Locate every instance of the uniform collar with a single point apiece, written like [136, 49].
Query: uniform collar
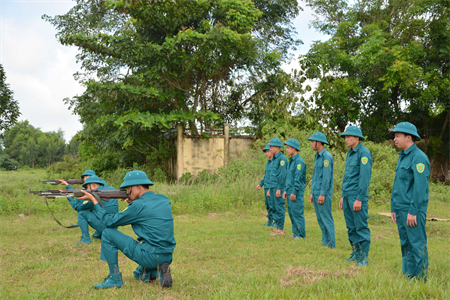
[409, 150]
[322, 152]
[356, 148]
[278, 155]
[295, 156]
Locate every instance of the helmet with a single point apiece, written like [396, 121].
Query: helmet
[276, 143]
[88, 173]
[93, 179]
[266, 148]
[135, 177]
[293, 143]
[319, 137]
[354, 131]
[406, 127]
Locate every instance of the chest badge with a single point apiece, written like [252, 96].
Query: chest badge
[299, 167]
[364, 160]
[282, 163]
[326, 163]
[86, 201]
[420, 168]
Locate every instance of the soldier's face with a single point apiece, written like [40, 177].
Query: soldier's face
[351, 140]
[289, 150]
[269, 154]
[85, 177]
[274, 150]
[401, 140]
[313, 145]
[93, 186]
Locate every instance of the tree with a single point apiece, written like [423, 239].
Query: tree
[9, 108]
[151, 64]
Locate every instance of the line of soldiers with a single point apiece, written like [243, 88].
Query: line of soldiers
[149, 215]
[286, 180]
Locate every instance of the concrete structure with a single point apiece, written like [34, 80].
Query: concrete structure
[195, 154]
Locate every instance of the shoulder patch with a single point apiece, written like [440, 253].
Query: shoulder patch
[282, 162]
[326, 163]
[299, 167]
[85, 201]
[364, 160]
[420, 168]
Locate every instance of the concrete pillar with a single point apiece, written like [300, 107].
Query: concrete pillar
[180, 160]
[226, 143]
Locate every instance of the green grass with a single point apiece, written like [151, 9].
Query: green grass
[223, 251]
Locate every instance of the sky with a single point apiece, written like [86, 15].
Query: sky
[40, 70]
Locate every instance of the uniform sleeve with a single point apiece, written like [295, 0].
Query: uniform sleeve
[393, 188]
[299, 178]
[365, 173]
[80, 205]
[129, 215]
[421, 173]
[262, 181]
[69, 187]
[327, 177]
[281, 175]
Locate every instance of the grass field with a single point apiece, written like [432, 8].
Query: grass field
[219, 255]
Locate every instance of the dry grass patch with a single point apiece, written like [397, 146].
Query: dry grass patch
[304, 277]
[378, 237]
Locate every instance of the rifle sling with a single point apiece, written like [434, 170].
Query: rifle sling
[99, 200]
[71, 226]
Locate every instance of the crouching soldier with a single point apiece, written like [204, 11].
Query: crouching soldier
[295, 188]
[86, 216]
[265, 183]
[150, 216]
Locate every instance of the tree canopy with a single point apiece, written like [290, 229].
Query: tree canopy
[9, 108]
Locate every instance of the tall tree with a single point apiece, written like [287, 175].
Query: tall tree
[150, 64]
[9, 108]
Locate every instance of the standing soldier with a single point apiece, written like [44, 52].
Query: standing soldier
[295, 188]
[265, 183]
[409, 201]
[322, 188]
[277, 182]
[355, 195]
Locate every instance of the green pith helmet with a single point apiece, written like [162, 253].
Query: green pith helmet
[353, 130]
[266, 148]
[276, 143]
[406, 127]
[135, 177]
[88, 173]
[93, 179]
[320, 137]
[293, 143]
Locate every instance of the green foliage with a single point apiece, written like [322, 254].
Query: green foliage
[7, 163]
[149, 65]
[32, 147]
[385, 62]
[9, 108]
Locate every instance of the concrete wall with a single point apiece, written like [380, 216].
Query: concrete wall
[195, 154]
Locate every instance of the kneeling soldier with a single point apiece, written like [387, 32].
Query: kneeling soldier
[150, 216]
[86, 216]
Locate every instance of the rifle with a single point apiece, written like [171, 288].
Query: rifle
[58, 181]
[104, 195]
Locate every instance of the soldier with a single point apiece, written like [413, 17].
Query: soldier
[322, 188]
[295, 188]
[85, 215]
[150, 216]
[355, 195]
[277, 182]
[409, 200]
[265, 183]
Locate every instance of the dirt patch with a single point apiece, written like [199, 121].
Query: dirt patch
[303, 276]
[214, 215]
[377, 237]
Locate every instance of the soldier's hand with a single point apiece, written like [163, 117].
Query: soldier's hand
[278, 194]
[258, 187]
[268, 193]
[126, 199]
[88, 196]
[357, 205]
[341, 202]
[293, 197]
[321, 199]
[63, 182]
[411, 220]
[284, 195]
[393, 218]
[310, 199]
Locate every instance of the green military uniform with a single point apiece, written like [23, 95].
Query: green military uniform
[150, 216]
[86, 216]
[322, 184]
[268, 200]
[295, 184]
[410, 196]
[277, 182]
[355, 186]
